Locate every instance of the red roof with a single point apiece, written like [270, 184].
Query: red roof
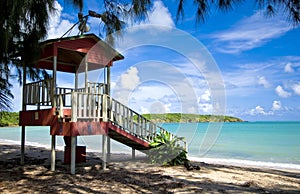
[71, 51]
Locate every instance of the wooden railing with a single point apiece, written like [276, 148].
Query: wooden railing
[84, 106]
[96, 88]
[93, 88]
[134, 123]
[85, 103]
[38, 93]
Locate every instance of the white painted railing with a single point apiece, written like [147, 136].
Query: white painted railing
[134, 123]
[96, 88]
[93, 88]
[84, 106]
[38, 93]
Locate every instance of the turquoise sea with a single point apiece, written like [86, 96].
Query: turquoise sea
[269, 144]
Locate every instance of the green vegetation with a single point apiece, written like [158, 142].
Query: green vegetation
[166, 150]
[189, 118]
[9, 119]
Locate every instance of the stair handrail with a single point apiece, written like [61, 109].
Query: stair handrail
[149, 137]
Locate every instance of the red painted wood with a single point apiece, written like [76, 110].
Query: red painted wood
[44, 117]
[78, 128]
[71, 51]
[127, 135]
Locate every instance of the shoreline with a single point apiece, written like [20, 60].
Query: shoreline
[249, 163]
[126, 176]
[218, 161]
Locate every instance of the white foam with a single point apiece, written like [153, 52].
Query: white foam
[248, 163]
[28, 143]
[10, 142]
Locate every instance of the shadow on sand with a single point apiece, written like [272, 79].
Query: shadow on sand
[122, 176]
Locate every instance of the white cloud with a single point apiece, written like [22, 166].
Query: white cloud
[288, 68]
[276, 105]
[168, 107]
[250, 33]
[58, 26]
[258, 110]
[130, 79]
[296, 88]
[158, 19]
[126, 85]
[205, 97]
[205, 105]
[281, 92]
[263, 81]
[160, 15]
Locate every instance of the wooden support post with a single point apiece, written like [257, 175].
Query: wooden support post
[108, 149]
[54, 80]
[133, 153]
[53, 154]
[73, 154]
[75, 99]
[22, 162]
[104, 149]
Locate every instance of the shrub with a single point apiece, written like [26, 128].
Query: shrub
[166, 150]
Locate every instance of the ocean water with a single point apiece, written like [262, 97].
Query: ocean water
[269, 144]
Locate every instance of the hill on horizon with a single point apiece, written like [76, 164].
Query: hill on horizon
[189, 118]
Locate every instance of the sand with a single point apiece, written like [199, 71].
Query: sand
[126, 176]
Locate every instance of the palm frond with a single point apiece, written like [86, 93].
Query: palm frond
[202, 9]
[180, 10]
[139, 8]
[5, 95]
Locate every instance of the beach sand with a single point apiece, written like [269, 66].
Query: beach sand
[126, 176]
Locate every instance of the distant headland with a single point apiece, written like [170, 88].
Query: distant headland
[189, 118]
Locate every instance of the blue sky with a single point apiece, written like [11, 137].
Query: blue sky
[257, 58]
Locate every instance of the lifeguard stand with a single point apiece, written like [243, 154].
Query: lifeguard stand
[89, 110]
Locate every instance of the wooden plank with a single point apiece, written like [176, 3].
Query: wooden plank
[43, 93]
[84, 105]
[74, 107]
[104, 107]
[99, 107]
[89, 105]
[79, 113]
[61, 106]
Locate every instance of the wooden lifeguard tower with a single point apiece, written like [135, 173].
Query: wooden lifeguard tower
[88, 110]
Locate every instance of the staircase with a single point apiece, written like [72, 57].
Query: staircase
[131, 128]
